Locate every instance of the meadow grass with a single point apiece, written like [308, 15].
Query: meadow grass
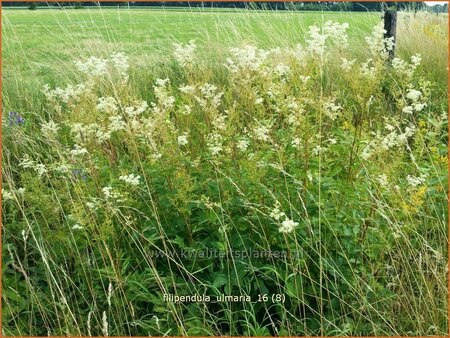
[242, 141]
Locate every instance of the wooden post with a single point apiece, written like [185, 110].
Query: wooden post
[390, 26]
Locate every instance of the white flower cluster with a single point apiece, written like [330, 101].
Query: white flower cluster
[379, 46]
[28, 163]
[107, 105]
[337, 32]
[296, 142]
[276, 213]
[318, 36]
[183, 139]
[242, 145]
[165, 100]
[84, 133]
[184, 53]
[207, 96]
[49, 129]
[405, 68]
[288, 225]
[66, 95]
[383, 180]
[247, 59]
[112, 195]
[95, 67]
[332, 110]
[215, 143]
[77, 151]
[211, 97]
[133, 111]
[369, 69]
[347, 65]
[6, 195]
[120, 62]
[261, 133]
[131, 179]
[414, 104]
[415, 181]
[116, 123]
[282, 70]
[393, 139]
[296, 112]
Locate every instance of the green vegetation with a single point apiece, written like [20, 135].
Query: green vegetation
[150, 152]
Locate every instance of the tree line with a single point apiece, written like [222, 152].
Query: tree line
[304, 6]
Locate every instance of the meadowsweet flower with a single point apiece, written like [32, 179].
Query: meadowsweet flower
[368, 69]
[165, 100]
[77, 151]
[40, 169]
[276, 213]
[413, 95]
[259, 100]
[107, 105]
[130, 179]
[296, 142]
[183, 139]
[419, 106]
[184, 54]
[316, 42]
[287, 226]
[242, 145]
[49, 129]
[332, 110]
[120, 62]
[282, 70]
[62, 168]
[21, 191]
[415, 181]
[247, 62]
[116, 123]
[77, 227]
[214, 143]
[26, 162]
[92, 66]
[416, 60]
[408, 110]
[220, 122]
[209, 96]
[94, 205]
[317, 150]
[111, 194]
[186, 110]
[337, 33]
[304, 79]
[378, 45]
[332, 140]
[6, 195]
[70, 93]
[262, 133]
[135, 111]
[383, 180]
[187, 89]
[347, 65]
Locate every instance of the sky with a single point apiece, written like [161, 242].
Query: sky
[431, 3]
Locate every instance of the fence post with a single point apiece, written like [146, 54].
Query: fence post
[390, 26]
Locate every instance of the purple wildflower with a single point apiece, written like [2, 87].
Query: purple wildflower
[16, 118]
